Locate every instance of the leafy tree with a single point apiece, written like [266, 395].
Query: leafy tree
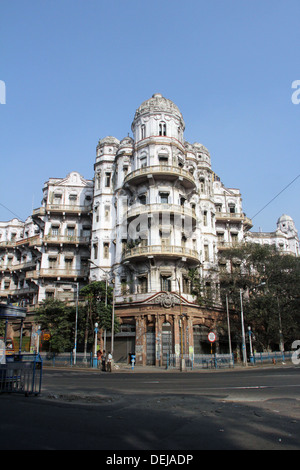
[203, 288]
[270, 285]
[57, 319]
[99, 307]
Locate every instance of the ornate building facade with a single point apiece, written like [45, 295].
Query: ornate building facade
[154, 213]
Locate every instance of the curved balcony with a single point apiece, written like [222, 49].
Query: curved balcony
[170, 173]
[234, 217]
[67, 240]
[160, 208]
[58, 273]
[63, 209]
[139, 252]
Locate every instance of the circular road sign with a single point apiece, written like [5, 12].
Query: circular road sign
[212, 337]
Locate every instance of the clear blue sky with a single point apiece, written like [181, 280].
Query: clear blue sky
[76, 70]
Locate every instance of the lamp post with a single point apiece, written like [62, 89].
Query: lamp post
[182, 360]
[250, 342]
[243, 330]
[228, 325]
[95, 361]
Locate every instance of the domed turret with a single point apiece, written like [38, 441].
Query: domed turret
[286, 224]
[158, 116]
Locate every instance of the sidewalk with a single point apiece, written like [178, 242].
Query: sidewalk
[127, 368]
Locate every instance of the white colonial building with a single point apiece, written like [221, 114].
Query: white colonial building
[154, 213]
[285, 238]
[47, 256]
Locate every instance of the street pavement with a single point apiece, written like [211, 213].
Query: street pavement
[157, 410]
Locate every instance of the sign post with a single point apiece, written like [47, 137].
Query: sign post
[211, 338]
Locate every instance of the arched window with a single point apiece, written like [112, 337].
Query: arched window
[143, 131]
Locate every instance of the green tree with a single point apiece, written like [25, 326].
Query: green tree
[57, 319]
[99, 297]
[270, 283]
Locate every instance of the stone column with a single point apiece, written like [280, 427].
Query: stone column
[140, 340]
[158, 340]
[177, 339]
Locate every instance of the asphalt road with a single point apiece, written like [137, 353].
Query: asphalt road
[253, 409]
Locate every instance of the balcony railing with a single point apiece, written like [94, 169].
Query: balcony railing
[161, 170]
[53, 272]
[154, 250]
[234, 217]
[72, 208]
[21, 266]
[68, 239]
[160, 207]
[31, 241]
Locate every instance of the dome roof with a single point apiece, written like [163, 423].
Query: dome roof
[109, 140]
[284, 218]
[157, 103]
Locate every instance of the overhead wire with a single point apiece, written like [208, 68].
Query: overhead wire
[20, 218]
[275, 196]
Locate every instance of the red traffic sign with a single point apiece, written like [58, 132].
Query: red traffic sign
[212, 337]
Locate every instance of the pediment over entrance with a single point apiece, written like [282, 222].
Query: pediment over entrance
[166, 299]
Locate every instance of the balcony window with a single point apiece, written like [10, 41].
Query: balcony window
[206, 253]
[52, 262]
[95, 250]
[143, 199]
[186, 285]
[106, 250]
[70, 231]
[57, 199]
[163, 160]
[73, 199]
[143, 285]
[232, 208]
[162, 129]
[68, 263]
[107, 180]
[165, 283]
[164, 198]
[107, 213]
[143, 162]
[55, 230]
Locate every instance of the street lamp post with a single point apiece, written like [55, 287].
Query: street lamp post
[95, 361]
[250, 342]
[228, 325]
[181, 326]
[243, 330]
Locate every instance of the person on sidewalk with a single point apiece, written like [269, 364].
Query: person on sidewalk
[99, 358]
[103, 360]
[109, 361]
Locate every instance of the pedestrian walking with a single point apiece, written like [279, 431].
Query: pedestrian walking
[109, 361]
[99, 358]
[103, 360]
